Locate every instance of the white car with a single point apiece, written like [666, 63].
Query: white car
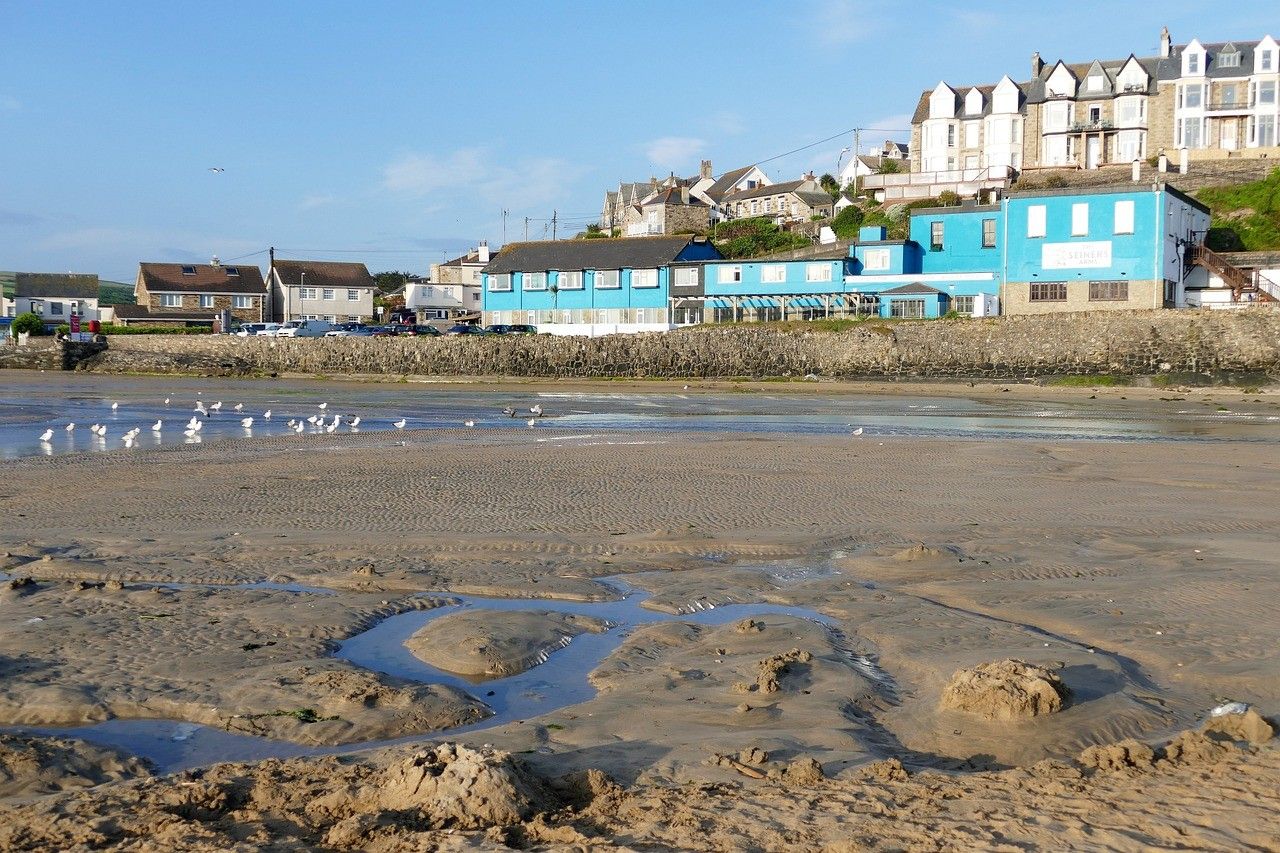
[249, 330]
[303, 329]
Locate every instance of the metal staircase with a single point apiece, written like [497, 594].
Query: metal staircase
[1245, 287]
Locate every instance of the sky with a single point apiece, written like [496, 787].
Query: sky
[396, 133]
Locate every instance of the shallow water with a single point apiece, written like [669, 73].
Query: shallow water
[31, 403]
[558, 682]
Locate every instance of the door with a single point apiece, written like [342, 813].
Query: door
[1229, 130]
[1093, 152]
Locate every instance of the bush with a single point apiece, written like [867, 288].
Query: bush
[847, 222]
[29, 323]
[109, 329]
[947, 198]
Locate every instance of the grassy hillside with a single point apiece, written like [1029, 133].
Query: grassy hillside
[114, 293]
[1246, 217]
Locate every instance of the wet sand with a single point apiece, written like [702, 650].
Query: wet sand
[1140, 572]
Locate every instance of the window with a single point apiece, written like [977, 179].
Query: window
[535, 281]
[1124, 217]
[1264, 132]
[773, 273]
[1189, 132]
[607, 280]
[1080, 220]
[1057, 115]
[37, 306]
[171, 300]
[988, 233]
[1192, 96]
[1265, 61]
[971, 134]
[910, 309]
[877, 259]
[55, 308]
[498, 283]
[1267, 92]
[768, 206]
[644, 278]
[328, 294]
[755, 208]
[235, 271]
[206, 301]
[1049, 291]
[76, 309]
[331, 318]
[1193, 63]
[951, 136]
[188, 270]
[1229, 60]
[1095, 115]
[962, 305]
[686, 277]
[353, 318]
[729, 274]
[817, 272]
[1094, 83]
[307, 293]
[1130, 111]
[1036, 220]
[353, 296]
[936, 229]
[1108, 291]
[242, 302]
[1130, 145]
[571, 280]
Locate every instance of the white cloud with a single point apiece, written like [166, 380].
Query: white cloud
[537, 180]
[673, 152]
[8, 103]
[837, 23]
[315, 200]
[888, 127]
[726, 123]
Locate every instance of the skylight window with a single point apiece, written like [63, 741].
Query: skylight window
[188, 270]
[233, 271]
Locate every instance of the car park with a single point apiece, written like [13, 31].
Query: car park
[522, 329]
[249, 330]
[465, 329]
[349, 330]
[498, 329]
[303, 329]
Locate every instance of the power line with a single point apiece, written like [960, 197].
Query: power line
[829, 139]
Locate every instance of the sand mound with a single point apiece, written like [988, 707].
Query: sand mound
[1127, 754]
[493, 643]
[771, 670]
[38, 765]
[918, 552]
[1250, 726]
[1005, 690]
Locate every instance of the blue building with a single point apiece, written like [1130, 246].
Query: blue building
[596, 287]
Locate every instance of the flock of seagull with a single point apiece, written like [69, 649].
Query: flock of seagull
[192, 428]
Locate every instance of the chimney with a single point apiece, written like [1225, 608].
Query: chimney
[216, 262]
[684, 195]
[1037, 64]
[1166, 44]
[482, 253]
[705, 171]
[653, 182]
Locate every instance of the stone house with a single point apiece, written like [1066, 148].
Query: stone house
[195, 294]
[790, 201]
[453, 291]
[336, 291]
[674, 211]
[625, 210]
[55, 297]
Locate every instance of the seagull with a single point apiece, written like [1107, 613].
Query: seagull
[246, 422]
[355, 422]
[128, 441]
[93, 429]
[312, 419]
[509, 411]
[536, 410]
[266, 416]
[46, 435]
[71, 426]
[201, 409]
[239, 407]
[215, 406]
[217, 170]
[166, 401]
[189, 432]
[298, 427]
[533, 421]
[199, 425]
[323, 406]
[400, 423]
[331, 427]
[858, 431]
[115, 406]
[156, 427]
[102, 432]
[337, 419]
[468, 424]
[290, 423]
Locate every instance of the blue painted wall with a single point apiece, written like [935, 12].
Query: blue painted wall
[962, 249]
[794, 282]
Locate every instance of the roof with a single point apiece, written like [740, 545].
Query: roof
[1108, 190]
[779, 189]
[141, 312]
[914, 288]
[675, 195]
[606, 253]
[323, 274]
[725, 182]
[472, 257]
[203, 278]
[47, 284]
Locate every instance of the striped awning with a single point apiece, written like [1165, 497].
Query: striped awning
[722, 304]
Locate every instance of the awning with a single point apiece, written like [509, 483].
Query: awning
[722, 304]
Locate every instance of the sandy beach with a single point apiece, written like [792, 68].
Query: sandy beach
[1139, 576]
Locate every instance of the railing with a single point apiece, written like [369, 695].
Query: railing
[992, 174]
[1084, 126]
[1227, 106]
[1232, 276]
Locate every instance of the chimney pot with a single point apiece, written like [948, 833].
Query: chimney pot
[1166, 42]
[1037, 64]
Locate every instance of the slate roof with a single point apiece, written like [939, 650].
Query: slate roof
[607, 254]
[785, 188]
[142, 312]
[323, 274]
[472, 257]
[55, 284]
[724, 184]
[168, 278]
[674, 195]
[914, 287]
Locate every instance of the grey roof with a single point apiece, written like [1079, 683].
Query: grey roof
[142, 312]
[723, 184]
[675, 195]
[606, 253]
[55, 284]
[323, 274]
[771, 189]
[914, 288]
[1212, 69]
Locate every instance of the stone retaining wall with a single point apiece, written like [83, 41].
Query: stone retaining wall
[1144, 342]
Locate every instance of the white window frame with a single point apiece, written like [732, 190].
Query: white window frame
[171, 300]
[875, 260]
[206, 301]
[773, 273]
[328, 294]
[500, 282]
[1037, 220]
[684, 277]
[817, 272]
[608, 279]
[569, 280]
[1124, 217]
[1266, 60]
[1269, 87]
[729, 274]
[533, 281]
[242, 302]
[1080, 219]
[306, 293]
[353, 296]
[644, 278]
[55, 308]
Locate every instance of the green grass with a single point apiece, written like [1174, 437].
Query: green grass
[1088, 381]
[1246, 217]
[114, 293]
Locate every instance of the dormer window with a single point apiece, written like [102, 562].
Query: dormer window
[1193, 63]
[1229, 60]
[188, 270]
[233, 271]
[1266, 61]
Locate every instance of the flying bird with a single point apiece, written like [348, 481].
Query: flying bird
[46, 435]
[400, 423]
[201, 409]
[217, 170]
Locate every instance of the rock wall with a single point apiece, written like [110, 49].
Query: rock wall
[1145, 342]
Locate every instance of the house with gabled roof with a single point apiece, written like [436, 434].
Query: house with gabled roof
[335, 291]
[194, 294]
[629, 211]
[55, 297]
[789, 201]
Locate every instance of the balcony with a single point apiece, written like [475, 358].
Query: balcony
[1235, 106]
[1087, 126]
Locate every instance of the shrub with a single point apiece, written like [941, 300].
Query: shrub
[947, 198]
[109, 329]
[1054, 182]
[888, 167]
[847, 222]
[29, 323]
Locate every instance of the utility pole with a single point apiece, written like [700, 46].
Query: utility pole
[271, 288]
[857, 150]
[526, 229]
[553, 225]
[504, 226]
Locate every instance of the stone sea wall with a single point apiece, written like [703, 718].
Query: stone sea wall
[1148, 342]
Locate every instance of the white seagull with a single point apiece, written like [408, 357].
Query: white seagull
[166, 401]
[115, 406]
[533, 421]
[298, 427]
[201, 409]
[266, 416]
[858, 431]
[157, 426]
[468, 424]
[355, 422]
[46, 435]
[400, 423]
[331, 427]
[246, 422]
[215, 406]
[71, 426]
[239, 407]
[189, 432]
[312, 419]
[199, 425]
[322, 406]
[536, 410]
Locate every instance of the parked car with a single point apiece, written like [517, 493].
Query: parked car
[465, 329]
[383, 331]
[303, 329]
[349, 330]
[421, 331]
[249, 330]
[522, 329]
[498, 329]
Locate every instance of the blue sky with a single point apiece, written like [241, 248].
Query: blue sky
[396, 133]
